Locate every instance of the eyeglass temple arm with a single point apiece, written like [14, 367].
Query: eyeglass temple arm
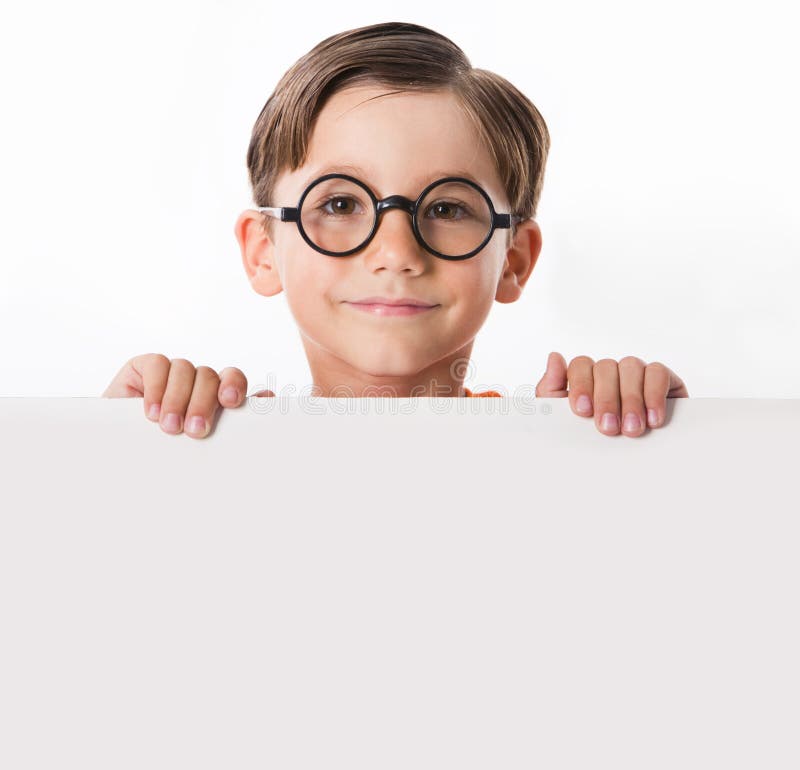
[284, 213]
[506, 220]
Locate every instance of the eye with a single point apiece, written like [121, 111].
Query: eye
[342, 205]
[447, 210]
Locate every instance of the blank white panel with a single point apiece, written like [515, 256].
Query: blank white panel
[398, 583]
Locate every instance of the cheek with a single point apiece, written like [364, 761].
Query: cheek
[476, 282]
[473, 291]
[311, 282]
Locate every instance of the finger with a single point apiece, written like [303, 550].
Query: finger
[581, 385]
[631, 391]
[203, 404]
[554, 380]
[180, 383]
[677, 388]
[606, 396]
[232, 386]
[153, 370]
[127, 382]
[660, 383]
[263, 393]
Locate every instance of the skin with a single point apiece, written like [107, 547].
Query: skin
[401, 142]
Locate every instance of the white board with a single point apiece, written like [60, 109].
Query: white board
[395, 583]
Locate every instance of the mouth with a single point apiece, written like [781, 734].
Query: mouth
[380, 309]
[388, 306]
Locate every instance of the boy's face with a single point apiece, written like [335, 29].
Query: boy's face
[400, 143]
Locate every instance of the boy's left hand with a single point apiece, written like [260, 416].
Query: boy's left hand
[600, 387]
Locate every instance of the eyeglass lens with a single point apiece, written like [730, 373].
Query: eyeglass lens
[453, 218]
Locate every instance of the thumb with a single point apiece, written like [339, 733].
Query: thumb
[554, 380]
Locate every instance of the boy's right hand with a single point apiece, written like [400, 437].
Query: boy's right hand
[175, 392]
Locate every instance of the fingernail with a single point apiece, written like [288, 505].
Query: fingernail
[584, 404]
[632, 423]
[230, 394]
[652, 417]
[172, 423]
[197, 425]
[155, 409]
[610, 422]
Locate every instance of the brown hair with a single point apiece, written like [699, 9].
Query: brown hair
[405, 57]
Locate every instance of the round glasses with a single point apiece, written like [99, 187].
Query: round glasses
[453, 218]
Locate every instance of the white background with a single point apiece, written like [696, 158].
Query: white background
[669, 211]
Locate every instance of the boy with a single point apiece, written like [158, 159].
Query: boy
[396, 188]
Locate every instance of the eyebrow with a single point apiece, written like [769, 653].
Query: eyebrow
[362, 174]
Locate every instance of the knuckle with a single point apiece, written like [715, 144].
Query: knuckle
[632, 401]
[605, 363]
[580, 386]
[180, 379]
[203, 401]
[579, 373]
[155, 360]
[631, 361]
[606, 381]
[207, 372]
[172, 406]
[606, 375]
[604, 405]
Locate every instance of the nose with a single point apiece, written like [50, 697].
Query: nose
[394, 246]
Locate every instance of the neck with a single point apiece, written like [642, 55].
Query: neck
[336, 378]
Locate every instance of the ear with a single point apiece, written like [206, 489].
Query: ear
[520, 259]
[258, 253]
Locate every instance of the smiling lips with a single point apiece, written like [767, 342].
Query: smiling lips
[383, 306]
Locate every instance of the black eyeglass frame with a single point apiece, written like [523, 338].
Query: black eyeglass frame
[292, 214]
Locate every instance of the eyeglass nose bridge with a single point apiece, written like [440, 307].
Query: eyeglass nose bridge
[395, 202]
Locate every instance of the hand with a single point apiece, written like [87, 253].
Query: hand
[173, 389]
[601, 385]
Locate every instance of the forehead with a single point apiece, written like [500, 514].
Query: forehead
[395, 142]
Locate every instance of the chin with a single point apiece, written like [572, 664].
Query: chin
[391, 363]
